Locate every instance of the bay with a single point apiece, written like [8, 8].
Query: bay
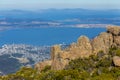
[46, 36]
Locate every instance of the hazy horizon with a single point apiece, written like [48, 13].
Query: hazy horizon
[48, 4]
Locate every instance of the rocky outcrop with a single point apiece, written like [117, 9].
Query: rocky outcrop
[102, 42]
[55, 50]
[117, 40]
[114, 30]
[84, 48]
[57, 62]
[116, 61]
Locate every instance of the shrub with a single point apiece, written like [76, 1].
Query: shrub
[47, 68]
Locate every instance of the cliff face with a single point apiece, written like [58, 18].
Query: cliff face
[82, 48]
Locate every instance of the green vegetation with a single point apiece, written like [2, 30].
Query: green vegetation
[115, 51]
[99, 67]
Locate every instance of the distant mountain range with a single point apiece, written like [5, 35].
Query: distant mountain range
[51, 14]
[58, 18]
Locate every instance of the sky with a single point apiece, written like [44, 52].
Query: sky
[58, 4]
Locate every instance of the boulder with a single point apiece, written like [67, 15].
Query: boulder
[115, 30]
[116, 61]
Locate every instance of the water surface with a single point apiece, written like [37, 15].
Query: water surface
[46, 36]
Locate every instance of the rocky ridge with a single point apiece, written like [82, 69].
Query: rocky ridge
[84, 47]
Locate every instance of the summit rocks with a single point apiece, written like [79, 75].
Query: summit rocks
[102, 42]
[84, 47]
[114, 30]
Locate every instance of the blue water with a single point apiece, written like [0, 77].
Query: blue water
[46, 36]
